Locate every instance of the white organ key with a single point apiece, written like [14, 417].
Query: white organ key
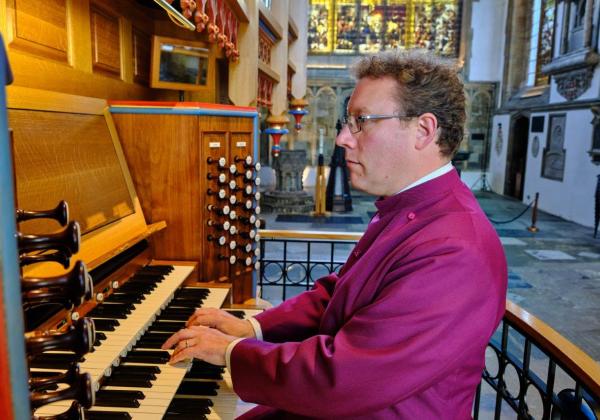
[158, 397]
[130, 329]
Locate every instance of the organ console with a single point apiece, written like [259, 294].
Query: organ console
[212, 141]
[99, 303]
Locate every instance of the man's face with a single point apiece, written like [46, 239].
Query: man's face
[380, 156]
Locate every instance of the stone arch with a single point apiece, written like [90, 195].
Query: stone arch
[325, 116]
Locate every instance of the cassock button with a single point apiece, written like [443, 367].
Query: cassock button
[356, 253]
[411, 216]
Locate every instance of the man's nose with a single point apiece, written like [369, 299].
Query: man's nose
[345, 138]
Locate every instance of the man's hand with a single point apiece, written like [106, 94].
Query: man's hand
[199, 342]
[222, 321]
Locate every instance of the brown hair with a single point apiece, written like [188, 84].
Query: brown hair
[426, 83]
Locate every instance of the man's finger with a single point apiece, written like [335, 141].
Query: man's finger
[171, 341]
[187, 353]
[178, 336]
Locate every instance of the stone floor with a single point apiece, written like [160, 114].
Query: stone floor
[554, 274]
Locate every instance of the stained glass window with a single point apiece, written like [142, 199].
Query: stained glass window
[371, 26]
[345, 26]
[436, 27]
[546, 36]
[542, 31]
[395, 30]
[353, 26]
[319, 28]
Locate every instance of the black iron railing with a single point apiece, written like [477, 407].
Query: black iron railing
[531, 371]
[291, 262]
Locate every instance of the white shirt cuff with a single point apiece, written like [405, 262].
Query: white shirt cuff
[228, 351]
[257, 329]
[257, 333]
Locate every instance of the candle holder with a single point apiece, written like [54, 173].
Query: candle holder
[276, 130]
[297, 109]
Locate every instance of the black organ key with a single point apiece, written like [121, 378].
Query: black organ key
[134, 381]
[197, 388]
[118, 297]
[239, 314]
[106, 415]
[54, 360]
[168, 326]
[147, 356]
[188, 408]
[102, 324]
[120, 394]
[162, 269]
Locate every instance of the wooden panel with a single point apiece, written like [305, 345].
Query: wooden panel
[168, 158]
[239, 135]
[63, 156]
[34, 72]
[240, 147]
[141, 56]
[106, 46]
[162, 153]
[41, 28]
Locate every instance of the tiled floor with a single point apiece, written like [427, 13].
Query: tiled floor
[554, 274]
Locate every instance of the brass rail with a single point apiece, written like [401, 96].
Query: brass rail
[309, 234]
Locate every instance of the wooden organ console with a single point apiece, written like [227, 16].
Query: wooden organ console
[194, 166]
[97, 303]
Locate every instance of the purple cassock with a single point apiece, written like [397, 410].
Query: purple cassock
[401, 332]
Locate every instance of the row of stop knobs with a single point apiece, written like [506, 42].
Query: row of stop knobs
[246, 216]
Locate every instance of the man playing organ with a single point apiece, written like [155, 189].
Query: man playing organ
[401, 331]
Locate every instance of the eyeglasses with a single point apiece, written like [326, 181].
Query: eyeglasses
[355, 123]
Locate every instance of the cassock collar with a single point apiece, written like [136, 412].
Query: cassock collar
[418, 194]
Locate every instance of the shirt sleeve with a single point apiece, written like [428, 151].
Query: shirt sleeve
[299, 317]
[228, 351]
[256, 327]
[433, 315]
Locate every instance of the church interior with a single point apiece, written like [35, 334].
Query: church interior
[157, 156]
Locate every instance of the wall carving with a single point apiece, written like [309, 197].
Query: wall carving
[553, 164]
[265, 44]
[265, 90]
[499, 140]
[535, 147]
[572, 84]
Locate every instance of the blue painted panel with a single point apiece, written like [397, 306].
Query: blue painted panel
[9, 268]
[182, 111]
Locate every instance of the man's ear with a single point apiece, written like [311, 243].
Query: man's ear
[427, 130]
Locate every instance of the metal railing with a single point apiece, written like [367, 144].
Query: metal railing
[531, 371]
[291, 261]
